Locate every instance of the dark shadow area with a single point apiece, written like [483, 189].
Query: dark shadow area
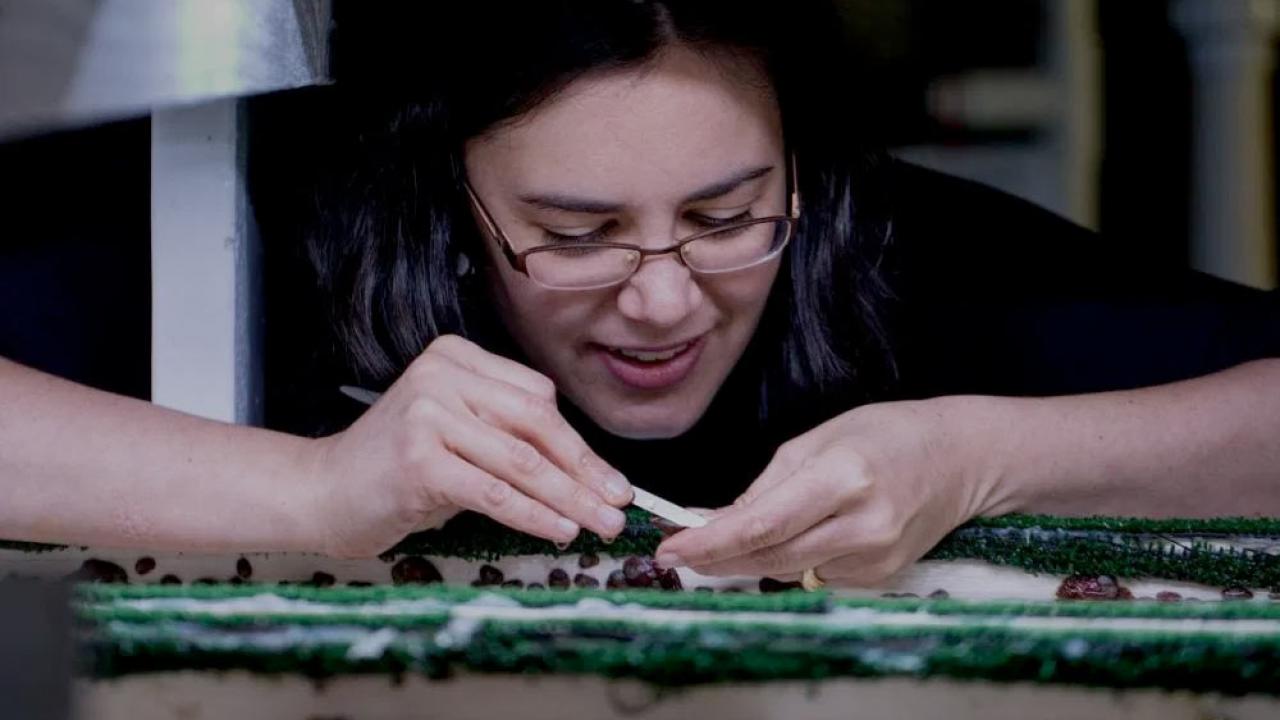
[75, 256]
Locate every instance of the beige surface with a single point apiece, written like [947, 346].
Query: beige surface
[189, 696]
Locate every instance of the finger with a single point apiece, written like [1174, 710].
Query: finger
[482, 362]
[811, 548]
[521, 464]
[539, 422]
[467, 486]
[776, 517]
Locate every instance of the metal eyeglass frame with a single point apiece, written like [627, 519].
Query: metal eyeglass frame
[518, 259]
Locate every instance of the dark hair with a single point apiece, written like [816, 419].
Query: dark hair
[389, 252]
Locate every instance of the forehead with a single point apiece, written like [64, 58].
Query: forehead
[676, 124]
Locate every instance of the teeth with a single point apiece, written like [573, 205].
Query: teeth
[651, 356]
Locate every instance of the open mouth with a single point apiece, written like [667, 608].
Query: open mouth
[651, 369]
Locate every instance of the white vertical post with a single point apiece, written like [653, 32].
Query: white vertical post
[1074, 57]
[204, 266]
[1232, 60]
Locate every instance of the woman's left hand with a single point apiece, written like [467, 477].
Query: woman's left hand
[856, 499]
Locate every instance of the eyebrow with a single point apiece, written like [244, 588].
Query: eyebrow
[568, 203]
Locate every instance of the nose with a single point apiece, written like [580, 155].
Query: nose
[662, 293]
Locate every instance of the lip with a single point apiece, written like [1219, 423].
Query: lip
[652, 376]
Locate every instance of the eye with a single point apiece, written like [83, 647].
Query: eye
[708, 221]
[600, 234]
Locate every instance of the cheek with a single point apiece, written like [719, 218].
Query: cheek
[537, 318]
[743, 293]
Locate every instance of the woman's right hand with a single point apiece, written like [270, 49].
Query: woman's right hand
[461, 429]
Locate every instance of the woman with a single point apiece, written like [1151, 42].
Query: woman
[659, 214]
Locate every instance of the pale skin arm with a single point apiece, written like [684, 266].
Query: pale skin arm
[87, 467]
[1200, 448]
[461, 429]
[871, 490]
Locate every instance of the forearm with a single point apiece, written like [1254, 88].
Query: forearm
[81, 466]
[1203, 447]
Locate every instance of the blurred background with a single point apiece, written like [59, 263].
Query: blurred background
[132, 260]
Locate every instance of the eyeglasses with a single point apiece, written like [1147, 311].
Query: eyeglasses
[595, 265]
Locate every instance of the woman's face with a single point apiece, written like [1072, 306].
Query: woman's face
[648, 157]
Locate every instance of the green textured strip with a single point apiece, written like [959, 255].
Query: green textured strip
[1072, 608]
[791, 602]
[720, 652]
[1174, 526]
[476, 537]
[1104, 553]
[100, 602]
[1124, 547]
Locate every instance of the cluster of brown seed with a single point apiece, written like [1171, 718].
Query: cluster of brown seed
[1106, 587]
[637, 571]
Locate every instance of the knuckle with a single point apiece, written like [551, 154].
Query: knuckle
[447, 343]
[496, 494]
[787, 455]
[422, 410]
[760, 533]
[772, 559]
[540, 410]
[525, 458]
[420, 372]
[545, 387]
[881, 536]
[581, 496]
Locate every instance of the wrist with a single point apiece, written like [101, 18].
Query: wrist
[981, 432]
[308, 531]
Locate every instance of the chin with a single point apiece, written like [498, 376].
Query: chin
[645, 425]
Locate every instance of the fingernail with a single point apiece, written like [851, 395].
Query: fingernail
[618, 487]
[568, 528]
[612, 519]
[669, 560]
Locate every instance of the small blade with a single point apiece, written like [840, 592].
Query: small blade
[666, 509]
[359, 394]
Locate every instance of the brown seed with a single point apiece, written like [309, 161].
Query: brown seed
[359, 583]
[1237, 593]
[617, 579]
[639, 571]
[1168, 596]
[235, 580]
[534, 586]
[703, 588]
[99, 571]
[416, 570]
[513, 584]
[322, 579]
[244, 569]
[939, 594]
[489, 575]
[588, 560]
[669, 580]
[584, 580]
[170, 580]
[144, 565]
[665, 527]
[558, 579]
[205, 581]
[1092, 587]
[770, 585]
